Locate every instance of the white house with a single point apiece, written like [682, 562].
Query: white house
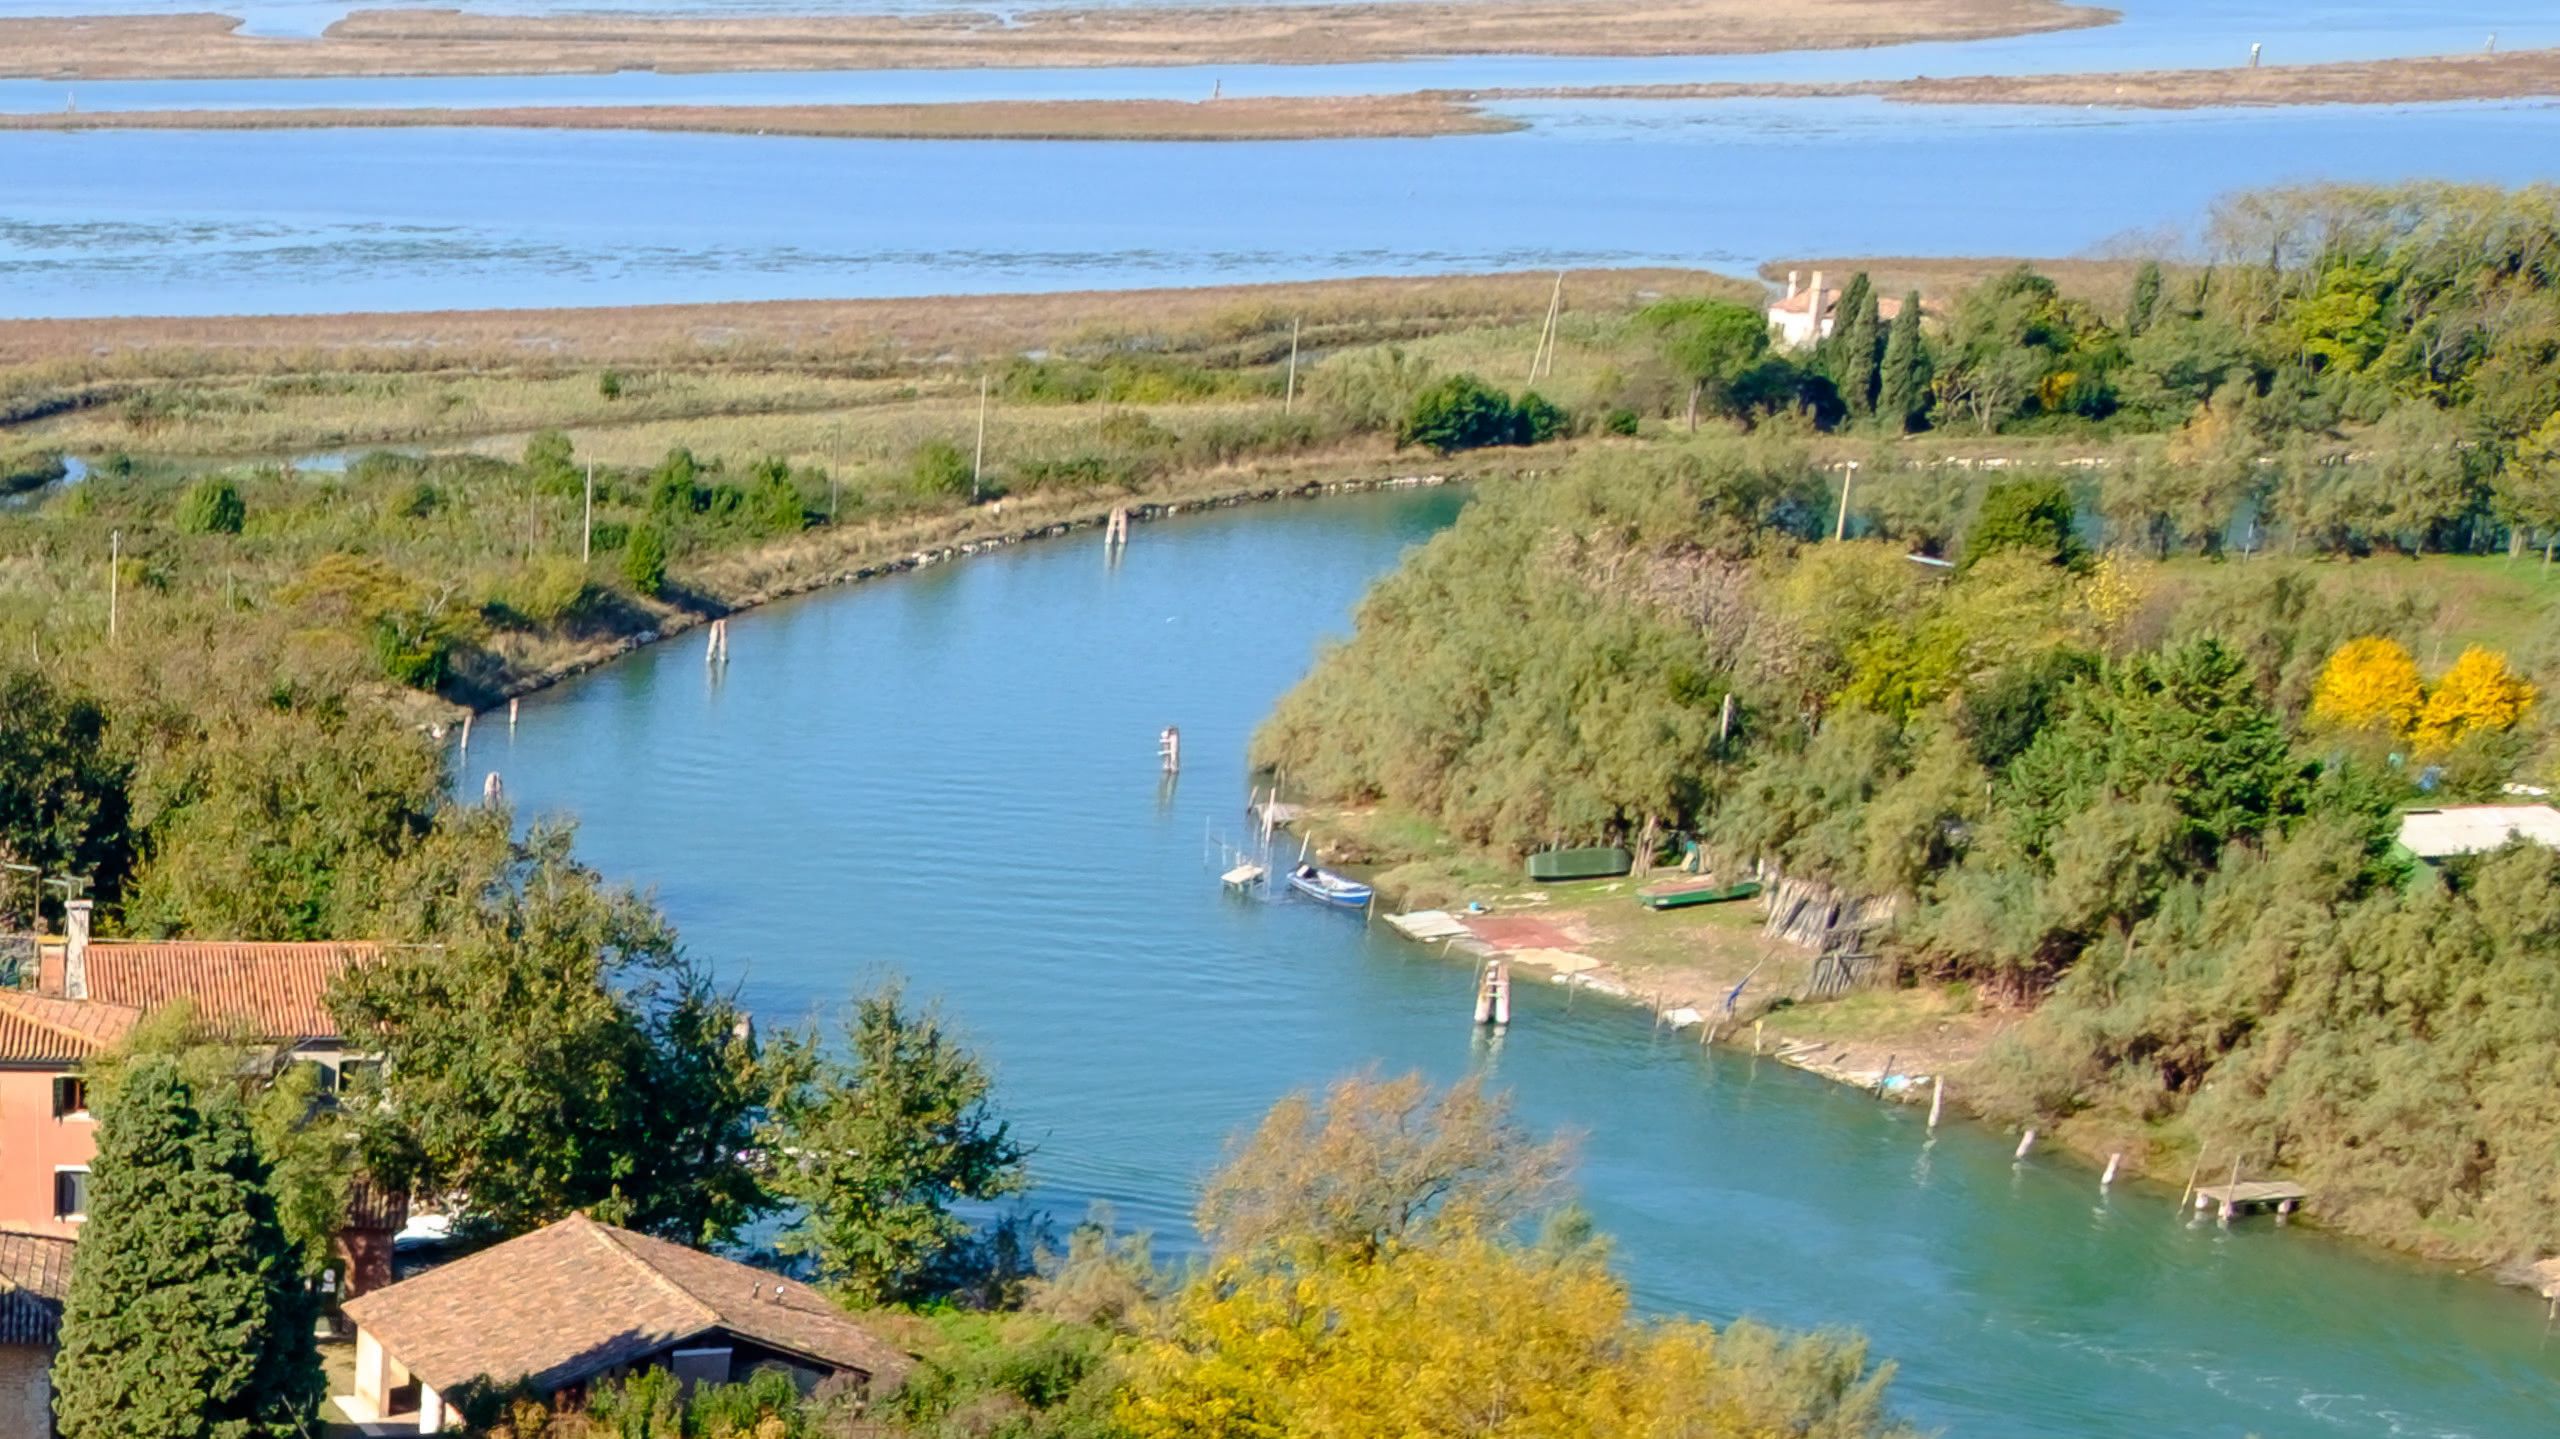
[1806, 314]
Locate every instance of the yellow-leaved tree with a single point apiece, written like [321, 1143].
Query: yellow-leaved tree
[1366, 1279]
[2479, 695]
[2370, 683]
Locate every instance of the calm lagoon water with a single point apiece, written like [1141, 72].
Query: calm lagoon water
[952, 775]
[304, 221]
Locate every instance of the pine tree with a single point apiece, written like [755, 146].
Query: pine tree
[2146, 299]
[187, 1316]
[1902, 389]
[1851, 354]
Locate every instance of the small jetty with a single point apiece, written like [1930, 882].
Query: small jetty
[2252, 1196]
[1428, 925]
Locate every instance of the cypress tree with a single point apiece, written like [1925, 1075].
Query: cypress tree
[187, 1316]
[1856, 343]
[2146, 298]
[1902, 391]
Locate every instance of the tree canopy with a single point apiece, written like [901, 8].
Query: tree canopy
[187, 1316]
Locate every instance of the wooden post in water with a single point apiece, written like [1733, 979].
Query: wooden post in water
[1169, 749]
[511, 715]
[2026, 1142]
[2190, 1191]
[2228, 1208]
[492, 789]
[1755, 1035]
[1937, 1099]
[466, 734]
[2108, 1179]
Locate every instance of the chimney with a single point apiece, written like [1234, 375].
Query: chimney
[1814, 309]
[1791, 284]
[75, 949]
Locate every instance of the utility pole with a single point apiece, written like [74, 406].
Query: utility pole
[1840, 530]
[587, 531]
[115, 568]
[1289, 404]
[978, 466]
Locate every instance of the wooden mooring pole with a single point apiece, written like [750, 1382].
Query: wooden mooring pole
[1937, 1099]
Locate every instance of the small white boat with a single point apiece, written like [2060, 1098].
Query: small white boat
[1331, 888]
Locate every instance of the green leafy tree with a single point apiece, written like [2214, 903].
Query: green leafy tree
[1712, 345]
[2008, 349]
[774, 499]
[940, 468]
[1377, 1165]
[551, 462]
[2144, 309]
[644, 560]
[877, 1145]
[1460, 413]
[554, 1051]
[65, 801]
[2035, 516]
[1537, 419]
[187, 1316]
[1853, 354]
[675, 486]
[213, 506]
[1904, 377]
[2527, 488]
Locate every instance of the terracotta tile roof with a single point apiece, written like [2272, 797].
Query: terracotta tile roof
[36, 1029]
[564, 1302]
[35, 1274]
[1887, 306]
[273, 990]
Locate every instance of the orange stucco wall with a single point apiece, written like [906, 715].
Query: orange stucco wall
[32, 1144]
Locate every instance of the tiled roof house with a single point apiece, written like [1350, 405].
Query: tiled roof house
[35, 1274]
[578, 1301]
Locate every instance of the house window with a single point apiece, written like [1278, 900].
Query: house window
[70, 1097]
[71, 1194]
[359, 1076]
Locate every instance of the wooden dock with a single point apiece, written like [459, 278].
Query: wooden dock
[2252, 1196]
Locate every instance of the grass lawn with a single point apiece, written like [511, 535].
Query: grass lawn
[2507, 604]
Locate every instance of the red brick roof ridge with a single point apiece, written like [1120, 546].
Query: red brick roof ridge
[105, 1024]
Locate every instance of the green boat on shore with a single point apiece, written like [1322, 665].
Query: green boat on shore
[1683, 893]
[1599, 862]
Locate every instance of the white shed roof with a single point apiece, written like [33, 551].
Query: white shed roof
[2477, 828]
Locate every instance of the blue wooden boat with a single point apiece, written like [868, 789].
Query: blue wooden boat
[1331, 888]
